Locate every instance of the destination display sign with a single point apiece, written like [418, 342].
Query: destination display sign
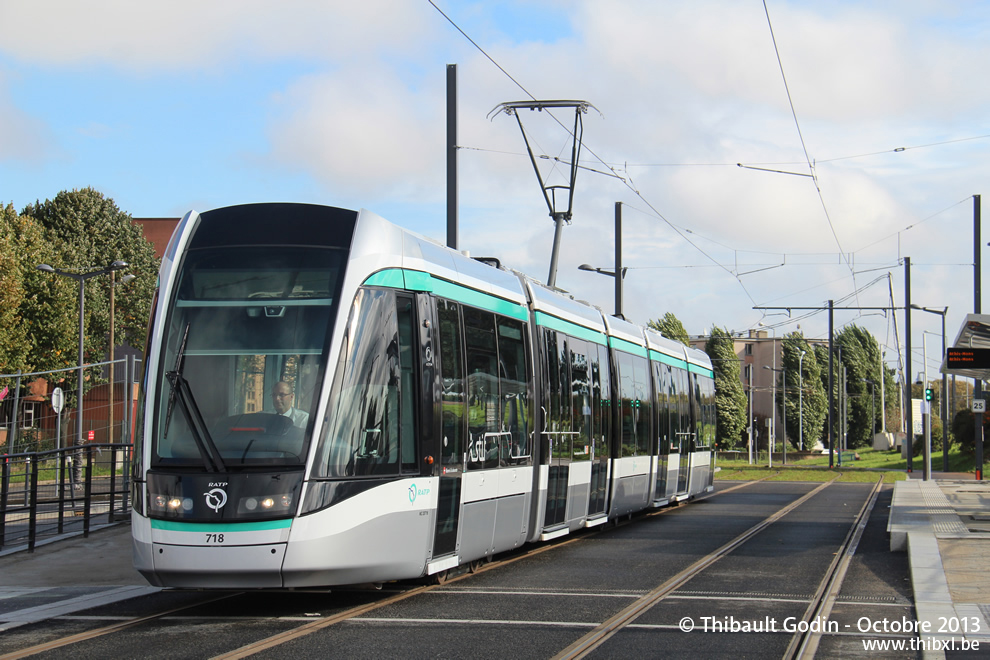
[967, 358]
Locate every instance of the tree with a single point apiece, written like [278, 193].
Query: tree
[88, 232]
[809, 406]
[730, 399]
[861, 359]
[671, 328]
[35, 322]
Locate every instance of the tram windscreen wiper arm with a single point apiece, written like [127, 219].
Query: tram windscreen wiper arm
[212, 459]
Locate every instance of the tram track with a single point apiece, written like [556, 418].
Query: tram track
[581, 648]
[111, 629]
[595, 638]
[804, 644]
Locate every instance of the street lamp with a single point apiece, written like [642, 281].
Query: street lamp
[618, 284]
[801, 400]
[945, 424]
[81, 278]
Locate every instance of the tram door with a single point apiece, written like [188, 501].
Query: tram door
[453, 419]
[557, 434]
[685, 436]
[661, 374]
[601, 429]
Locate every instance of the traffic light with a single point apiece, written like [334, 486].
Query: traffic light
[929, 394]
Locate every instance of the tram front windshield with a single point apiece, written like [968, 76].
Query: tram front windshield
[244, 355]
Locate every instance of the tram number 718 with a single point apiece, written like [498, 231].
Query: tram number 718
[214, 538]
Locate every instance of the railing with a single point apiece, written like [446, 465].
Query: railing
[50, 493]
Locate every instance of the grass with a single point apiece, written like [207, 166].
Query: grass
[870, 465]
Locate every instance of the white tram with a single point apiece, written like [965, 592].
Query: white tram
[330, 399]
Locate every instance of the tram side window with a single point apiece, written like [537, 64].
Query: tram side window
[706, 432]
[484, 411]
[601, 383]
[684, 410]
[635, 400]
[557, 425]
[680, 413]
[662, 384]
[372, 418]
[454, 405]
[580, 392]
[514, 386]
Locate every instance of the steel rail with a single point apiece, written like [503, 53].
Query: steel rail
[106, 630]
[592, 640]
[804, 645]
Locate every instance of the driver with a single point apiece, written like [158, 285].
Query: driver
[283, 398]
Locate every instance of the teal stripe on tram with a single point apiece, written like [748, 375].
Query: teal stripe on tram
[414, 280]
[572, 329]
[657, 356]
[262, 525]
[627, 347]
[391, 278]
[704, 371]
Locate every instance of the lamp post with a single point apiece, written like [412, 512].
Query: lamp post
[113, 287]
[81, 278]
[773, 390]
[783, 378]
[618, 284]
[945, 424]
[873, 407]
[801, 400]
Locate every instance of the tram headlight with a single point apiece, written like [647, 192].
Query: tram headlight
[280, 502]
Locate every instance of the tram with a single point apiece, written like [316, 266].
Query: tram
[329, 399]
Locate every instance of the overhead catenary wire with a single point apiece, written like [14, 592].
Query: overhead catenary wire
[684, 233]
[626, 182]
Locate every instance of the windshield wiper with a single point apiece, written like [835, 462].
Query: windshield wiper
[212, 460]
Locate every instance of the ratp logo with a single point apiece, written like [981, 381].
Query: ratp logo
[216, 498]
[415, 492]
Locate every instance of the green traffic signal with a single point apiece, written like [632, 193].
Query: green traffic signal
[929, 394]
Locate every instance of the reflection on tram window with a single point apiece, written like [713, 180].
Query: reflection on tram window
[244, 320]
[370, 432]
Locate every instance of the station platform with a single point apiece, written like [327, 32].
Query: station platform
[944, 526]
[68, 574]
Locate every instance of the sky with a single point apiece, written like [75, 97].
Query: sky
[766, 154]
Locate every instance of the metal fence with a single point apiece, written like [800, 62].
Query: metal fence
[29, 421]
[50, 493]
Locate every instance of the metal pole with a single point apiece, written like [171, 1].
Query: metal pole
[783, 376]
[452, 156]
[79, 394]
[945, 405]
[801, 400]
[618, 260]
[909, 413]
[17, 407]
[883, 400]
[750, 442]
[926, 469]
[113, 287]
[558, 219]
[831, 394]
[977, 309]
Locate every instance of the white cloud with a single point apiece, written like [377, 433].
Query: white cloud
[184, 34]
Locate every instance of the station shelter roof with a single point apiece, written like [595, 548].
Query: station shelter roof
[969, 355]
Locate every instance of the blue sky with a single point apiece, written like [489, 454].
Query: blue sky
[171, 106]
